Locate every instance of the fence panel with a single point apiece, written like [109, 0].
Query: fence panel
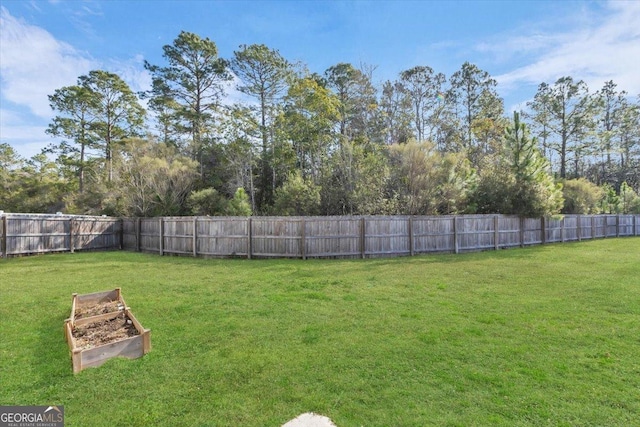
[433, 234]
[610, 225]
[554, 232]
[150, 234]
[599, 226]
[532, 233]
[385, 236]
[96, 233]
[475, 232]
[333, 236]
[570, 228]
[129, 233]
[586, 230]
[33, 235]
[24, 234]
[509, 232]
[177, 235]
[222, 236]
[276, 237]
[625, 225]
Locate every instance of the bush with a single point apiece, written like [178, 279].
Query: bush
[206, 202]
[239, 205]
[581, 197]
[629, 200]
[297, 196]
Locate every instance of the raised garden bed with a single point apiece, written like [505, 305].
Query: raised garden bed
[101, 327]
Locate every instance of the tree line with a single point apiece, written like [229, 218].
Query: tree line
[258, 134]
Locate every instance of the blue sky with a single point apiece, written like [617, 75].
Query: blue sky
[45, 45]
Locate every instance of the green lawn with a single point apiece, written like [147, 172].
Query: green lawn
[548, 335]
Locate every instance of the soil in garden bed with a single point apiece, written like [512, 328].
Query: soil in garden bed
[96, 309]
[104, 332]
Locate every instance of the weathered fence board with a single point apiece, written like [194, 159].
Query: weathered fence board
[129, 231]
[611, 226]
[276, 237]
[475, 233]
[177, 236]
[386, 236]
[532, 232]
[570, 228]
[222, 236]
[625, 225]
[433, 234]
[508, 232]
[333, 237]
[149, 235]
[96, 233]
[586, 229]
[3, 232]
[600, 224]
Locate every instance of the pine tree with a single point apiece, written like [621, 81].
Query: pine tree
[534, 193]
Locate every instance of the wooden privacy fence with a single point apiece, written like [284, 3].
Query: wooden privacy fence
[300, 237]
[361, 237]
[24, 234]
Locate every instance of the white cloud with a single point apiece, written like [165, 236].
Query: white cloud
[132, 71]
[595, 49]
[33, 64]
[27, 138]
[25, 133]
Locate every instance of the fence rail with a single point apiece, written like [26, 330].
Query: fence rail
[301, 237]
[361, 236]
[25, 234]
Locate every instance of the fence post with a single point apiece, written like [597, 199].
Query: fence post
[496, 232]
[249, 238]
[138, 223]
[161, 233]
[195, 236]
[618, 225]
[456, 247]
[593, 227]
[578, 227]
[71, 248]
[410, 225]
[362, 238]
[543, 231]
[522, 232]
[562, 229]
[3, 235]
[303, 239]
[121, 233]
[635, 225]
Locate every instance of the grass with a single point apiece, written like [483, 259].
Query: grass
[544, 336]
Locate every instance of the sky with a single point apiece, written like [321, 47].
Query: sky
[47, 44]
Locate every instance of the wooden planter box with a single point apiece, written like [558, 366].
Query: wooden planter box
[111, 301]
